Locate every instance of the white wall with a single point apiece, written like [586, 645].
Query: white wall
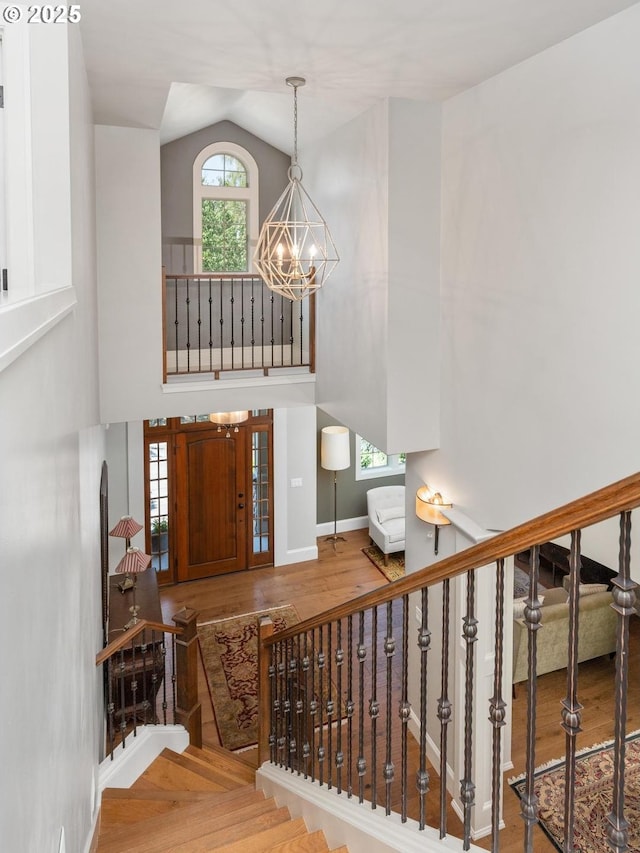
[540, 269]
[376, 182]
[130, 293]
[50, 624]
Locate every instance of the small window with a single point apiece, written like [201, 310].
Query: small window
[225, 209]
[372, 462]
[223, 170]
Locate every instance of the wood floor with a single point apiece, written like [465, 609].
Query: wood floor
[338, 576]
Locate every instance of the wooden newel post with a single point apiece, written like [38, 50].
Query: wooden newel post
[188, 710]
[265, 629]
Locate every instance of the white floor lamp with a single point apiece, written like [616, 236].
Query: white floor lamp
[335, 456]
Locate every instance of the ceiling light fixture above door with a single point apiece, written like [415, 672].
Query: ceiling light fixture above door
[295, 253]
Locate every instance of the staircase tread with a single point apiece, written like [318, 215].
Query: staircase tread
[313, 842]
[157, 833]
[248, 759]
[228, 777]
[235, 837]
[267, 839]
[167, 774]
[159, 794]
[223, 763]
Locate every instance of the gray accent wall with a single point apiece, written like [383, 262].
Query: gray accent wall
[176, 176]
[352, 493]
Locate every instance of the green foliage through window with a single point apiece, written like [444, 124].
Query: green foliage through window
[224, 235]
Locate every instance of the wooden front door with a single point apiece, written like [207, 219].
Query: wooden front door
[212, 505]
[209, 496]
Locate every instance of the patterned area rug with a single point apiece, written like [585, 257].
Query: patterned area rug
[394, 570]
[521, 583]
[594, 785]
[229, 650]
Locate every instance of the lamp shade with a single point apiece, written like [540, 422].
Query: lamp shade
[126, 528]
[334, 448]
[428, 505]
[134, 561]
[228, 418]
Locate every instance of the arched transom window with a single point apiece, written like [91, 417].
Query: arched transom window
[225, 208]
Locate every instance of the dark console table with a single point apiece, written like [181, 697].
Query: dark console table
[142, 664]
[556, 559]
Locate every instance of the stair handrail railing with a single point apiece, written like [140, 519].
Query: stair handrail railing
[127, 661]
[300, 722]
[595, 507]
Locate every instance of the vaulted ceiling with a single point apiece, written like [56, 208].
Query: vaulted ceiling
[180, 66]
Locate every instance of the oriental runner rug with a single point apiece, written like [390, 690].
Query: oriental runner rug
[593, 797]
[229, 650]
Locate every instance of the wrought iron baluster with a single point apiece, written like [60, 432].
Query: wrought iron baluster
[262, 326]
[444, 705]
[145, 700]
[289, 705]
[350, 705]
[469, 633]
[272, 704]
[123, 696]
[188, 312]
[624, 599]
[571, 708]
[282, 725]
[174, 679]
[273, 338]
[291, 308]
[242, 318]
[133, 686]
[313, 705]
[389, 650]
[405, 707]
[424, 643]
[176, 324]
[233, 328]
[532, 616]
[374, 707]
[497, 708]
[299, 695]
[282, 329]
[163, 669]
[301, 330]
[362, 656]
[320, 705]
[110, 707]
[253, 324]
[330, 706]
[221, 322]
[306, 666]
[199, 322]
[339, 664]
[210, 325]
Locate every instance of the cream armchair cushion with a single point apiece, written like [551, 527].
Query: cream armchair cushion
[386, 510]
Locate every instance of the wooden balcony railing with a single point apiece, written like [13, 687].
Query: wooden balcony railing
[327, 688]
[228, 322]
[151, 678]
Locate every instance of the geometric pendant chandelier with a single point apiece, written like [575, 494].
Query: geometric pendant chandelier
[295, 254]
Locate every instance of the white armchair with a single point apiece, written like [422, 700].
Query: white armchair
[385, 507]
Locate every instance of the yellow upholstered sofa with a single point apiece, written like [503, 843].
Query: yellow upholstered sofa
[596, 632]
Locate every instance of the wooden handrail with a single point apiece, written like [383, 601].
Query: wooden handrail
[208, 275]
[590, 509]
[126, 638]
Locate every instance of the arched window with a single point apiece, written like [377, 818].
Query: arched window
[225, 208]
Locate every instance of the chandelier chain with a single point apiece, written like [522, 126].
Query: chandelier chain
[295, 125]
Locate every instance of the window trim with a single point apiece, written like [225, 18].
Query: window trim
[394, 466]
[250, 194]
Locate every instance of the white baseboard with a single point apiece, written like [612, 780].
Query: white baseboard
[344, 524]
[138, 753]
[299, 555]
[345, 821]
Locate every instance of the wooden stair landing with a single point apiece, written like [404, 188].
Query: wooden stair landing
[201, 799]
